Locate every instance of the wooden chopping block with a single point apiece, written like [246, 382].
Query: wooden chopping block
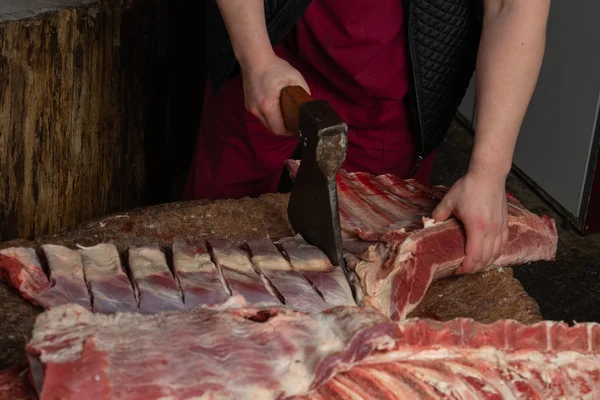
[82, 100]
[485, 297]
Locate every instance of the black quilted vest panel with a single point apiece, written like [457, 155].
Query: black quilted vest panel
[443, 41]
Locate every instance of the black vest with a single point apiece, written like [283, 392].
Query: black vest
[443, 38]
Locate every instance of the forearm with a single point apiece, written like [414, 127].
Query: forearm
[510, 56]
[245, 22]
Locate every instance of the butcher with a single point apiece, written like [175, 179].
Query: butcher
[395, 71]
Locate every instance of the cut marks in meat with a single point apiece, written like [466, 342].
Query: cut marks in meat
[297, 292]
[157, 288]
[21, 268]
[258, 271]
[198, 275]
[111, 289]
[238, 352]
[239, 275]
[66, 274]
[329, 280]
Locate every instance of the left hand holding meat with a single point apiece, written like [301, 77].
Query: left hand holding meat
[478, 200]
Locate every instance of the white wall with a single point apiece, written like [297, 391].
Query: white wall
[555, 142]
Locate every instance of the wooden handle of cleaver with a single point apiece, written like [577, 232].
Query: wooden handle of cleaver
[292, 98]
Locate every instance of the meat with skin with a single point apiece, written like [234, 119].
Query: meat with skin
[329, 280]
[239, 352]
[21, 268]
[111, 289]
[297, 292]
[157, 288]
[197, 274]
[239, 275]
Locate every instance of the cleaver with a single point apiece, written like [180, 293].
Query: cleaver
[313, 206]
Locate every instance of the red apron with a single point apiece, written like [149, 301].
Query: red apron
[352, 54]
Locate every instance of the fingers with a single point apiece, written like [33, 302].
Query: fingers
[473, 249]
[505, 236]
[443, 211]
[270, 109]
[274, 117]
[274, 114]
[302, 83]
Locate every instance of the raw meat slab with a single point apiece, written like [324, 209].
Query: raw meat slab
[238, 352]
[413, 249]
[157, 288]
[111, 289]
[197, 275]
[239, 275]
[329, 280]
[296, 290]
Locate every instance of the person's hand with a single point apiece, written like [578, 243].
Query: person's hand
[262, 88]
[478, 200]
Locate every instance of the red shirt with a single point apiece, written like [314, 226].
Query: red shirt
[355, 55]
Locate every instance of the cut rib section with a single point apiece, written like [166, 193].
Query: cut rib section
[197, 274]
[297, 292]
[238, 272]
[157, 288]
[109, 284]
[66, 274]
[329, 280]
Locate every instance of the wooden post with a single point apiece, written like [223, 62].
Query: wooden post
[83, 110]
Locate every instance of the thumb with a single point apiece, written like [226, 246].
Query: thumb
[443, 211]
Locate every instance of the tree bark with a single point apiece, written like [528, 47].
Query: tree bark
[83, 111]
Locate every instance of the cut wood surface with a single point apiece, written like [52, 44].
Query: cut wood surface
[82, 106]
[485, 297]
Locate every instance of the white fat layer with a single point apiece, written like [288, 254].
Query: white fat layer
[146, 261]
[186, 259]
[100, 261]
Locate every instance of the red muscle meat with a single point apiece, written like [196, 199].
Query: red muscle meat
[15, 385]
[239, 352]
